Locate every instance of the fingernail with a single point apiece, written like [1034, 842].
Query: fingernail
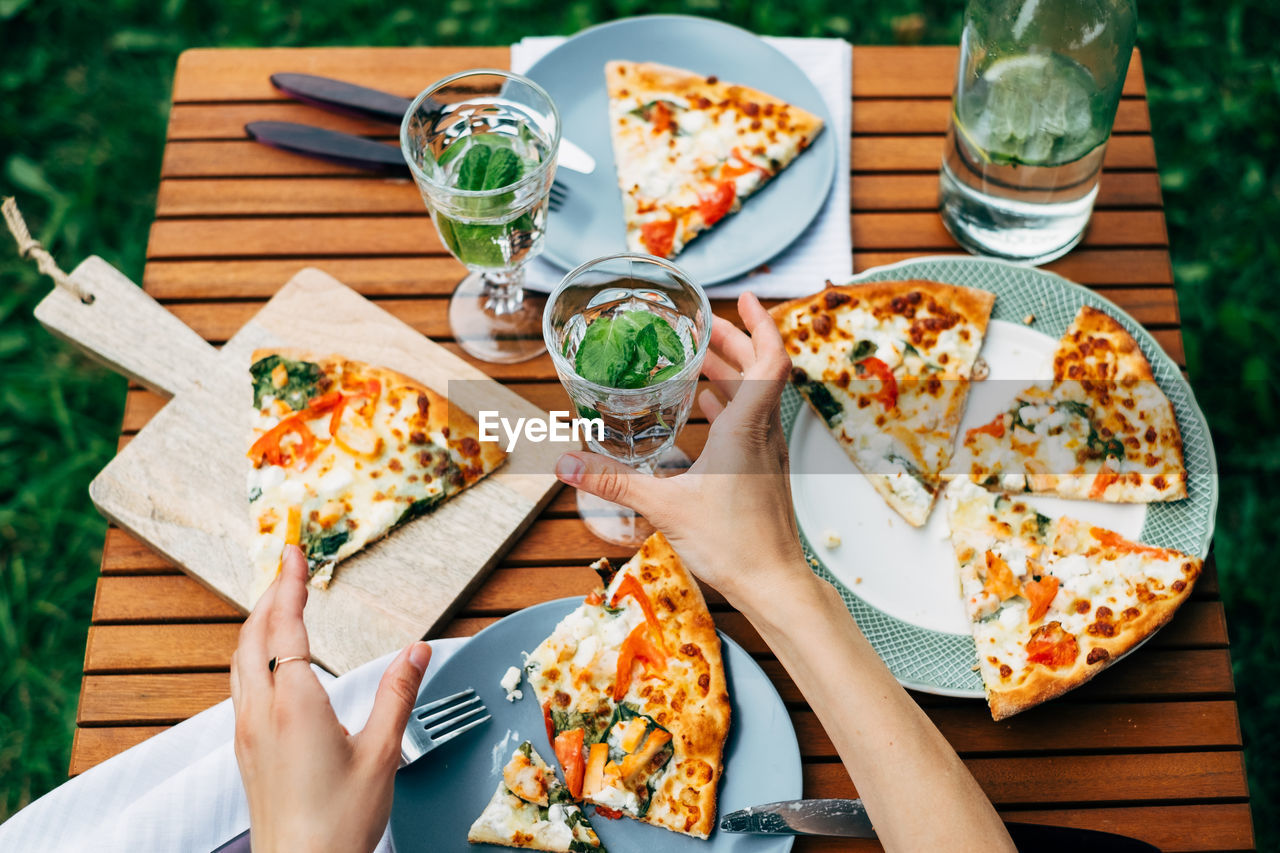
[569, 469]
[420, 656]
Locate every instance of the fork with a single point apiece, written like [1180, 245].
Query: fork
[347, 149]
[430, 725]
[434, 723]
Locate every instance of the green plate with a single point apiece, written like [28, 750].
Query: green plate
[899, 581]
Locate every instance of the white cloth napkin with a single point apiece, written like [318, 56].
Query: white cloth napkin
[180, 790]
[825, 250]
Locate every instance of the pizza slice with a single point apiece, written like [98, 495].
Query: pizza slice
[1054, 601]
[887, 367]
[532, 810]
[343, 452]
[1100, 430]
[633, 691]
[690, 148]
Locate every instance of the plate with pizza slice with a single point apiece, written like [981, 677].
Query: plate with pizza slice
[621, 720]
[712, 147]
[921, 379]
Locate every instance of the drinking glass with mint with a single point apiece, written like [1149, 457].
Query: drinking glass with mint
[628, 334]
[482, 148]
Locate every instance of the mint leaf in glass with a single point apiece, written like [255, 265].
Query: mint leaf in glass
[473, 169]
[632, 349]
[605, 352]
[503, 169]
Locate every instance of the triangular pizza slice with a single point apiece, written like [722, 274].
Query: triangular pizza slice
[690, 148]
[1054, 601]
[887, 367]
[1100, 430]
[343, 452]
[633, 691]
[532, 810]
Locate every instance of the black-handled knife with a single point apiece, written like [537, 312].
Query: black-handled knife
[376, 105]
[345, 149]
[335, 95]
[848, 819]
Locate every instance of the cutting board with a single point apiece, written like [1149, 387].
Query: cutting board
[180, 485]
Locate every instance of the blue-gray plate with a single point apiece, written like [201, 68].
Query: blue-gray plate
[438, 798]
[590, 223]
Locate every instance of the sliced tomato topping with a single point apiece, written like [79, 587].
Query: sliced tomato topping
[630, 586]
[1101, 481]
[636, 647]
[1040, 593]
[606, 812]
[662, 118]
[994, 429]
[1000, 581]
[659, 237]
[1052, 646]
[1111, 539]
[595, 599]
[551, 726]
[738, 165]
[716, 204]
[569, 753]
[888, 394]
[273, 450]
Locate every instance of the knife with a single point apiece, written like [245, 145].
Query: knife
[848, 819]
[362, 102]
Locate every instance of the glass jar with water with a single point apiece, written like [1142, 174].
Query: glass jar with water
[1036, 94]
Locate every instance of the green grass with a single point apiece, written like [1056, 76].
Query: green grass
[83, 101]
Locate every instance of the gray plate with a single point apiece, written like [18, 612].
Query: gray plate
[590, 224]
[437, 799]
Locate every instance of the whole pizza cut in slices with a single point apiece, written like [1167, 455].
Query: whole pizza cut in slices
[690, 148]
[1054, 601]
[1100, 430]
[633, 691]
[887, 367]
[343, 452]
[532, 810]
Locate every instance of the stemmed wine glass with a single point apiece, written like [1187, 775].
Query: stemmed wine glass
[482, 148]
[627, 334]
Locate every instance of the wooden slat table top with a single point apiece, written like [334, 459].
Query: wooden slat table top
[1151, 748]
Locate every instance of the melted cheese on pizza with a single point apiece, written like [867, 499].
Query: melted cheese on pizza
[1101, 430]
[890, 378]
[689, 149]
[1052, 594]
[531, 809]
[339, 459]
[642, 693]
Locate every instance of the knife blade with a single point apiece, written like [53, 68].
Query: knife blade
[848, 819]
[363, 102]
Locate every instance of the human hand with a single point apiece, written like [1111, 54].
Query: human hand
[729, 516]
[311, 785]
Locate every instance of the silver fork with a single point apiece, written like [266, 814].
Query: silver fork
[440, 721]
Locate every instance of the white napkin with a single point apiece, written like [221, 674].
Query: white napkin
[179, 790]
[825, 250]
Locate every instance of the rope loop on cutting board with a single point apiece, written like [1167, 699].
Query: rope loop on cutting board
[30, 248]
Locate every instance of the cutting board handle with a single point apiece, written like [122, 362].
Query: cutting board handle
[127, 330]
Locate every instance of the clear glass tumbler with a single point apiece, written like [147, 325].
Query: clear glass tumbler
[1036, 94]
[482, 148]
[640, 423]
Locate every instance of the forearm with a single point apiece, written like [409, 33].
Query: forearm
[916, 789]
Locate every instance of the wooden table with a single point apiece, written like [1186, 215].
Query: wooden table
[1151, 748]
